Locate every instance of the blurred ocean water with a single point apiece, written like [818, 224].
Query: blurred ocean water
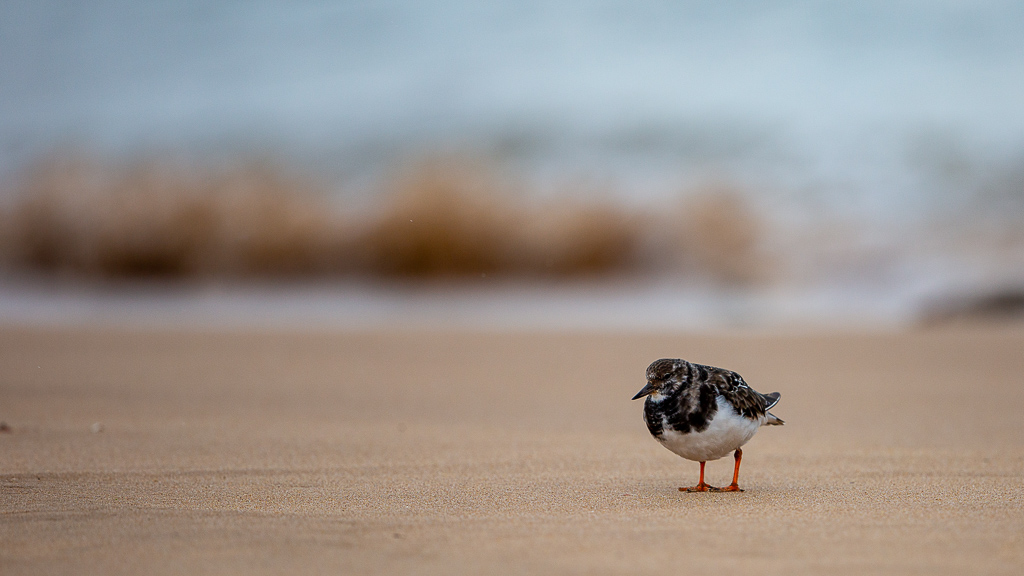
[845, 95]
[881, 141]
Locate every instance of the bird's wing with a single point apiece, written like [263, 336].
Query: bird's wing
[747, 401]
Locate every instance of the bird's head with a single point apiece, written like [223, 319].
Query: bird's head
[662, 375]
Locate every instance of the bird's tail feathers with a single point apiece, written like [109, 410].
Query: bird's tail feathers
[773, 420]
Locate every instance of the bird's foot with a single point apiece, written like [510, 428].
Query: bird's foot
[729, 488]
[702, 487]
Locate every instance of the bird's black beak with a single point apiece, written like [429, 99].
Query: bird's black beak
[646, 390]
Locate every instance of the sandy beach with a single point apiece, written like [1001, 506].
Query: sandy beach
[152, 451]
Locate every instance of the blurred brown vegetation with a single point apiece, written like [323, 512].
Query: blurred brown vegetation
[442, 220]
[148, 220]
[71, 216]
[720, 236]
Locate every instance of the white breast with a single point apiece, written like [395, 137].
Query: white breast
[726, 432]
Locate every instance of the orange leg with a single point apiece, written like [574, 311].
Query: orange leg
[734, 487]
[701, 487]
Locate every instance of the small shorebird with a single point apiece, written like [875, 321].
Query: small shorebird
[702, 413]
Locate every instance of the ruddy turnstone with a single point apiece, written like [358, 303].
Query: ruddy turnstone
[702, 413]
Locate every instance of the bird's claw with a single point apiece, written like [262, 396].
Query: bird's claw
[729, 488]
[702, 487]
